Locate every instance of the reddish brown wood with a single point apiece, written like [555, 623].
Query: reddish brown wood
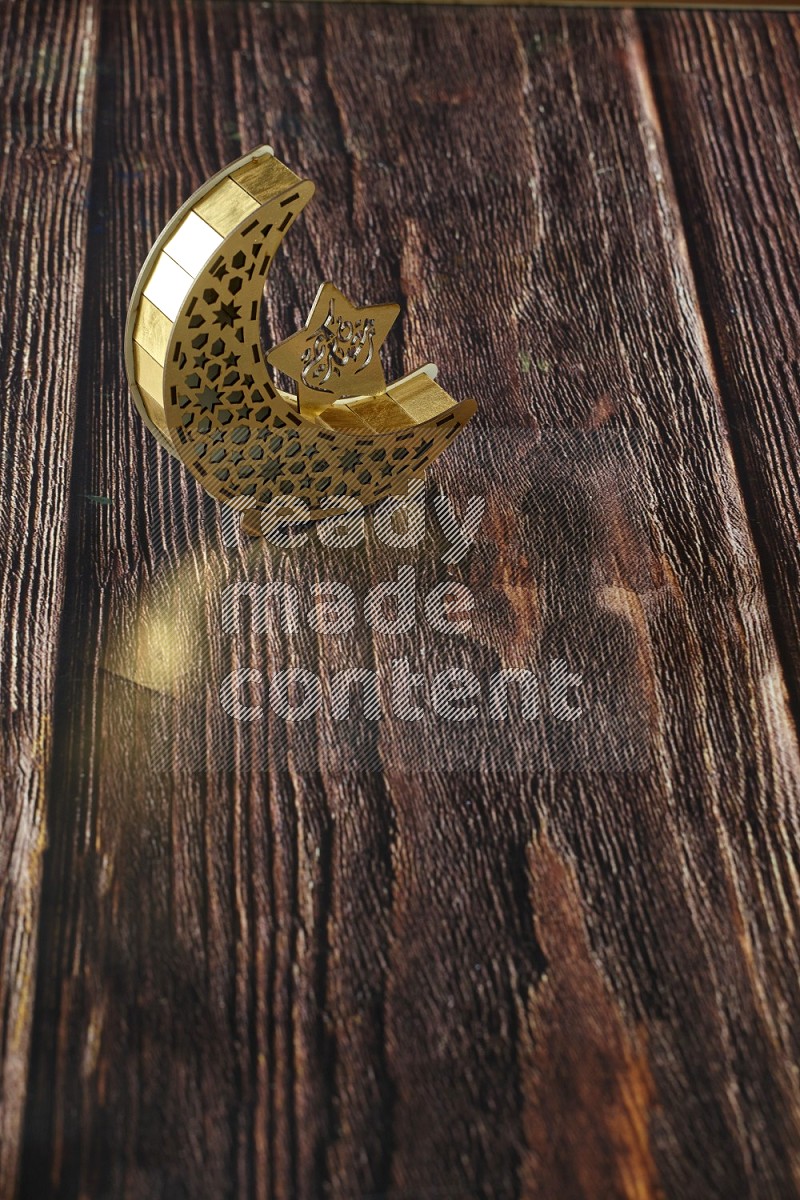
[731, 106]
[418, 958]
[47, 61]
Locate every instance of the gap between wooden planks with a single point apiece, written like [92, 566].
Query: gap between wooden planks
[47, 62]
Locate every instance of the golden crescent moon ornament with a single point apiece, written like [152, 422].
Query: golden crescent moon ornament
[201, 381]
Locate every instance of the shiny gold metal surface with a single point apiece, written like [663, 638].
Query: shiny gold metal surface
[201, 380]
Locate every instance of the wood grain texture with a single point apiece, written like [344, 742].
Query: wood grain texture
[732, 111]
[47, 58]
[400, 958]
[773, 5]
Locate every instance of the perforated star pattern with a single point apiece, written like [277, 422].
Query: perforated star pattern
[200, 378]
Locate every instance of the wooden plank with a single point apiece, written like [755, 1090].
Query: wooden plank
[422, 958]
[569, 283]
[737, 168]
[108, 933]
[47, 57]
[773, 5]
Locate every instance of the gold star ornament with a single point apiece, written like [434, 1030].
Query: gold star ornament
[337, 355]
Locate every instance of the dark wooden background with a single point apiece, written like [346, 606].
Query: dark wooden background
[260, 960]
